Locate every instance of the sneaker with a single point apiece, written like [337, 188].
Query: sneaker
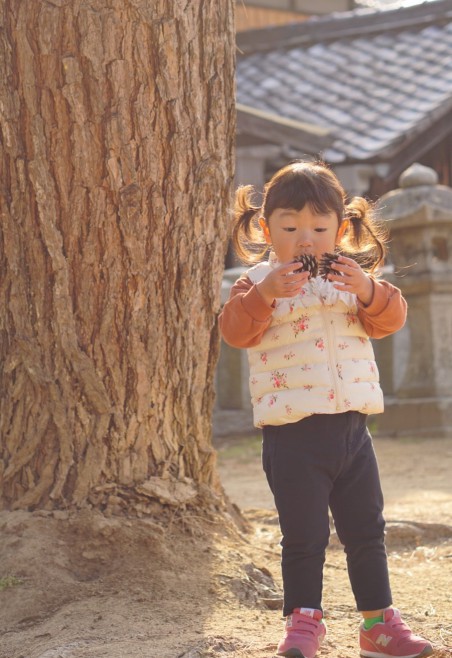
[392, 638]
[304, 633]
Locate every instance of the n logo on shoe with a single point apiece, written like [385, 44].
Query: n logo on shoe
[384, 640]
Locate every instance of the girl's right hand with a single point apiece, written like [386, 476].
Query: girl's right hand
[282, 282]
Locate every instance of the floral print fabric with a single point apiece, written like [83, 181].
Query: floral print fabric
[314, 358]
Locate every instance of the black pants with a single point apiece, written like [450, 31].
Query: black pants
[319, 462]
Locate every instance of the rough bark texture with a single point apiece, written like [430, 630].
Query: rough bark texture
[117, 121]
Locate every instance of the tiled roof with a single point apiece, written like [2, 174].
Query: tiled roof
[375, 79]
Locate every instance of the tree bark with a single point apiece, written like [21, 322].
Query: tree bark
[116, 165]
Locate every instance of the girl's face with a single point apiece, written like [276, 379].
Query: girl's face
[295, 232]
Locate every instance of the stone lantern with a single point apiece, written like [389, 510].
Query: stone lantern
[416, 362]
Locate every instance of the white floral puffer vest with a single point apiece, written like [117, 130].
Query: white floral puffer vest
[315, 358]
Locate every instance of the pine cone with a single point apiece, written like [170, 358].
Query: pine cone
[308, 264]
[327, 265]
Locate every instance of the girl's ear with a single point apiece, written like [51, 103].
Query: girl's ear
[342, 229]
[264, 226]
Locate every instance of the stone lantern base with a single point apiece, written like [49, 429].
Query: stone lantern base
[419, 417]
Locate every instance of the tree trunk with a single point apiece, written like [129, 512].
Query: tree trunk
[116, 164]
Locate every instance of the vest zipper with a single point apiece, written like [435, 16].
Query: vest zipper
[327, 322]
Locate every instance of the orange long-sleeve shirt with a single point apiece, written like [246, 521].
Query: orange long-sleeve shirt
[246, 315]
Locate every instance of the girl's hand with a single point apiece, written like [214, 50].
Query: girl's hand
[282, 282]
[352, 279]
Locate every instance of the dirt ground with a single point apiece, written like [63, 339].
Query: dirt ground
[86, 586]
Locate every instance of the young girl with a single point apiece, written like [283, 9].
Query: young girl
[313, 380]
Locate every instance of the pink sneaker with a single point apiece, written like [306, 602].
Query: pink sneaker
[392, 638]
[304, 634]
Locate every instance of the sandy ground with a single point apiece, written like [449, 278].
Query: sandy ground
[82, 585]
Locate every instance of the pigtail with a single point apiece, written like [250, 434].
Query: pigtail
[247, 238]
[366, 239]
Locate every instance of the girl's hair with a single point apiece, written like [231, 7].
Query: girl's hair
[313, 183]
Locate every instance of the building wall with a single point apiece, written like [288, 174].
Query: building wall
[251, 18]
[255, 14]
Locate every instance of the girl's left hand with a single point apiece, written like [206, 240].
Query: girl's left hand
[352, 279]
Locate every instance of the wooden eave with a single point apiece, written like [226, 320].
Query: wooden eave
[403, 153]
[278, 130]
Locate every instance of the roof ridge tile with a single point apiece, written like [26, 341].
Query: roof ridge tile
[343, 24]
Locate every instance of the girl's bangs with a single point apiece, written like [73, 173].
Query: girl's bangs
[297, 190]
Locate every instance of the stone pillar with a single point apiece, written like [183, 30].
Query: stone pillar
[233, 411]
[416, 362]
